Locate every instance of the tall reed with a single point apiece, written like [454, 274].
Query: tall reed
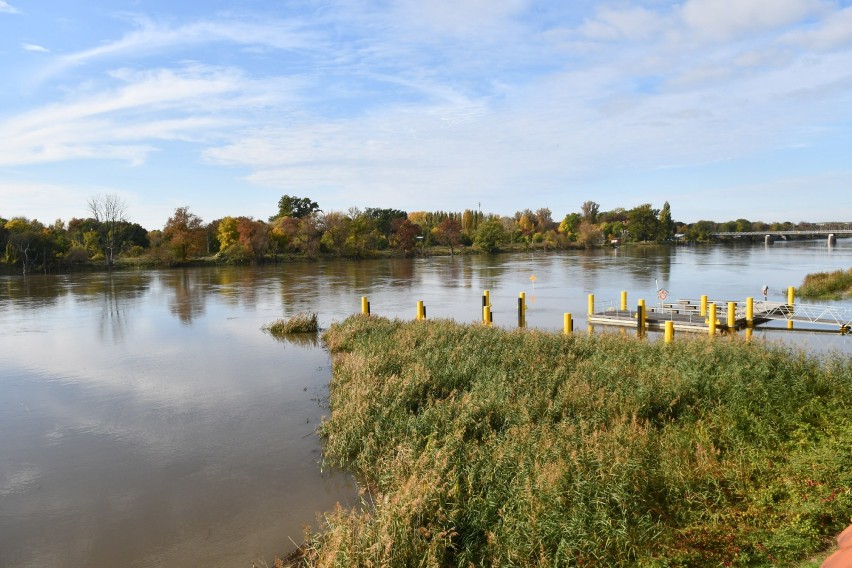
[486, 447]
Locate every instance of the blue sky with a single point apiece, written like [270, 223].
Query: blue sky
[724, 108]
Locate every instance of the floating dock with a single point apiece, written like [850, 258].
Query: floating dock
[727, 316]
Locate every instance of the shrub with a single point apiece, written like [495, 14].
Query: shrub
[299, 323]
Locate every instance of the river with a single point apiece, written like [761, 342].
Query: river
[146, 419]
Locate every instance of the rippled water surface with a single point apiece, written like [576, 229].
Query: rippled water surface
[147, 420]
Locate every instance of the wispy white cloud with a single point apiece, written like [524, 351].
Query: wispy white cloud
[5, 8]
[125, 122]
[34, 47]
[725, 19]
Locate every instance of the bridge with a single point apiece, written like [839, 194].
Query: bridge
[828, 230]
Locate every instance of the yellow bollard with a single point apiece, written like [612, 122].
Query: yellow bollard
[703, 311]
[711, 319]
[643, 314]
[749, 332]
[568, 324]
[522, 309]
[623, 300]
[749, 311]
[421, 310]
[487, 295]
[669, 331]
[365, 306]
[591, 304]
[789, 324]
[790, 296]
[732, 316]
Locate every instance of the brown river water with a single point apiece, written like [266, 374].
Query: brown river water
[146, 419]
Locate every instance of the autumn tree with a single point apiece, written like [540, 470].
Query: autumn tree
[404, 234]
[253, 237]
[335, 231]
[184, 232]
[449, 233]
[109, 212]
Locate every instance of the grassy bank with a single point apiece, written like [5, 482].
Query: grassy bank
[488, 447]
[835, 285]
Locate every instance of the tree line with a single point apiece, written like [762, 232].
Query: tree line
[300, 228]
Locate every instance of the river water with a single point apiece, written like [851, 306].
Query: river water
[146, 419]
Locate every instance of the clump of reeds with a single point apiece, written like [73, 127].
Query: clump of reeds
[488, 447]
[827, 285]
[299, 323]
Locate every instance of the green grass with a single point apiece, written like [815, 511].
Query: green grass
[484, 447]
[835, 285]
[299, 323]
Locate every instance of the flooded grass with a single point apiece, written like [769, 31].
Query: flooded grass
[487, 447]
[299, 323]
[835, 285]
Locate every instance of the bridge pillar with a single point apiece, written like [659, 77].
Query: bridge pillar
[832, 240]
[768, 240]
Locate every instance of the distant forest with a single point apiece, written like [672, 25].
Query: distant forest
[300, 229]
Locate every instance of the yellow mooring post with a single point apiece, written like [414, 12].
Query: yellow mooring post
[640, 316]
[711, 319]
[567, 324]
[522, 309]
[486, 315]
[591, 304]
[749, 311]
[624, 300]
[421, 310]
[703, 311]
[643, 314]
[669, 331]
[749, 332]
[732, 316]
[365, 306]
[790, 298]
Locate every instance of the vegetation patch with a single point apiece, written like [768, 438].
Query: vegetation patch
[835, 285]
[485, 447]
[299, 323]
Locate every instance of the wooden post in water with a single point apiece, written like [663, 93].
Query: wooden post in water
[669, 331]
[711, 319]
[567, 324]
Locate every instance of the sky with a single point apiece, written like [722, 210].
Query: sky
[724, 108]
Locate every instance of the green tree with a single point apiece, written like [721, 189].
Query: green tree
[490, 235]
[385, 218]
[667, 226]
[335, 231]
[642, 223]
[590, 211]
[292, 206]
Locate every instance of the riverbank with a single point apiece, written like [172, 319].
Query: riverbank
[491, 447]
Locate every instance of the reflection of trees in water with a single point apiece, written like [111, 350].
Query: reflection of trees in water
[35, 290]
[650, 262]
[189, 297]
[118, 292]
